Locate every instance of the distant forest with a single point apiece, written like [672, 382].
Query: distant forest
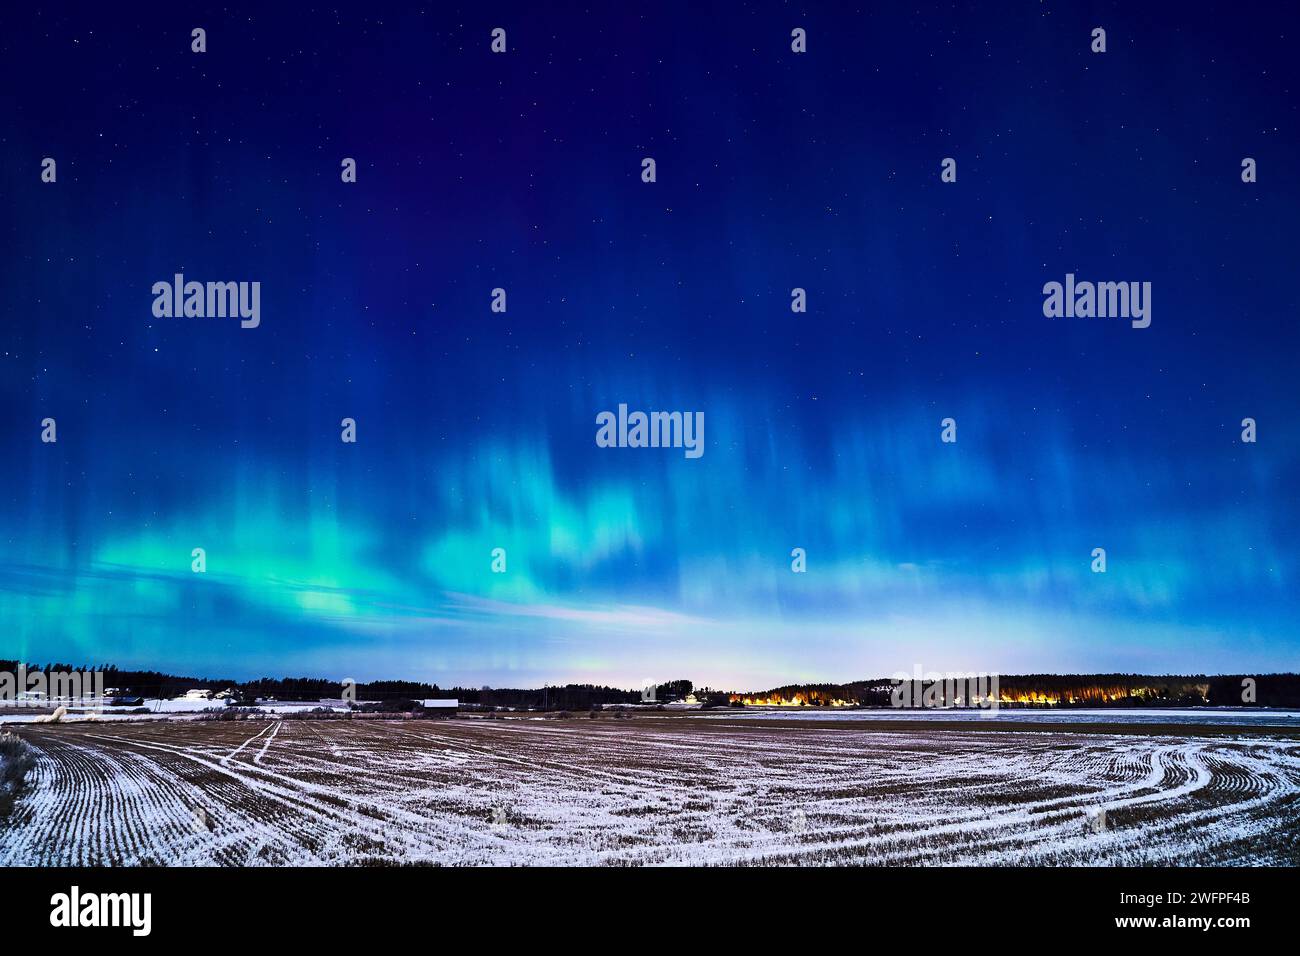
[1073, 690]
[153, 684]
[1077, 690]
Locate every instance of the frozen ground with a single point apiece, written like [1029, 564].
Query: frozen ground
[1205, 716]
[101, 710]
[667, 790]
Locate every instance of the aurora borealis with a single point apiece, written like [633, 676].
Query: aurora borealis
[476, 430]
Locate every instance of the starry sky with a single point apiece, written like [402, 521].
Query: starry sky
[475, 430]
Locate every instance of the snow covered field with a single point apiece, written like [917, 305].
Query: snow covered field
[667, 790]
[103, 710]
[1204, 716]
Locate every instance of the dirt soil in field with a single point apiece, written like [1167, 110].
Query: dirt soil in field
[651, 790]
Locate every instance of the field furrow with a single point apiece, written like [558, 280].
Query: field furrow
[645, 791]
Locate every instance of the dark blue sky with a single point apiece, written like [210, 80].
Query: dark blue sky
[476, 430]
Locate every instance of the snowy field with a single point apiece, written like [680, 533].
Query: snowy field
[1204, 716]
[98, 709]
[666, 790]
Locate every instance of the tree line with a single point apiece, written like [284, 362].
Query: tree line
[1080, 690]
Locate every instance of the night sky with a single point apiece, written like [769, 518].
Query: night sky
[476, 430]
